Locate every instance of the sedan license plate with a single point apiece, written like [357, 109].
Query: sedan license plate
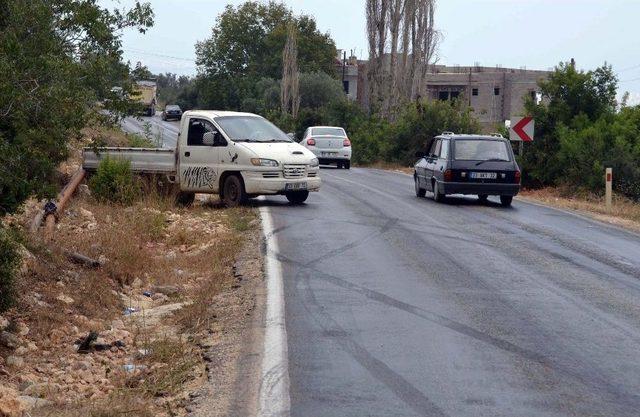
[328, 153]
[295, 186]
[484, 175]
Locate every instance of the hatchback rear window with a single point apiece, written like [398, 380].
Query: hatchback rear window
[480, 150]
[329, 131]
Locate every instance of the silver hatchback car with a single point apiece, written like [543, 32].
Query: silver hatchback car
[330, 144]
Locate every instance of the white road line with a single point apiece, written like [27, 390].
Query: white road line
[274, 400]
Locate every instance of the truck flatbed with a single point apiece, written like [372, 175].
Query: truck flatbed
[143, 160]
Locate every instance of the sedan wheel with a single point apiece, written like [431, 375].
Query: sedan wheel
[437, 195]
[506, 200]
[420, 192]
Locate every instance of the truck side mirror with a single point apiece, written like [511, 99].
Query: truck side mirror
[208, 139]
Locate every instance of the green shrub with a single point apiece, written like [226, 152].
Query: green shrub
[114, 182]
[9, 261]
[139, 141]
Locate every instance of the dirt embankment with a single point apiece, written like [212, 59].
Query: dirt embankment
[157, 330]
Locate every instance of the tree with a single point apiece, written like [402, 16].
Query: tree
[57, 57]
[571, 100]
[318, 90]
[402, 45]
[290, 77]
[246, 45]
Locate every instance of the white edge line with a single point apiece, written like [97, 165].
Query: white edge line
[274, 400]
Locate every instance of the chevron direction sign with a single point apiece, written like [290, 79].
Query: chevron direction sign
[522, 129]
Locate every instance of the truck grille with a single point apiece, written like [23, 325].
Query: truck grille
[270, 175]
[295, 171]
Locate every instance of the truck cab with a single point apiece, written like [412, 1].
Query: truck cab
[242, 155]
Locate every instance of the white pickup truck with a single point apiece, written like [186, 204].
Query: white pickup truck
[235, 155]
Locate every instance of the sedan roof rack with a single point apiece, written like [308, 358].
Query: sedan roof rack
[496, 135]
[448, 133]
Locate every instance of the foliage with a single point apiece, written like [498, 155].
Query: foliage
[9, 261]
[246, 45]
[414, 127]
[57, 58]
[317, 89]
[114, 182]
[579, 133]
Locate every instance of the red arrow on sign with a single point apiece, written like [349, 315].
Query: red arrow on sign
[519, 129]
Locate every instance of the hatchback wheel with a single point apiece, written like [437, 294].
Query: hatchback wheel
[233, 191]
[297, 197]
[506, 200]
[437, 195]
[420, 192]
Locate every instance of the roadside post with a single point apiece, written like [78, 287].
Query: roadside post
[608, 187]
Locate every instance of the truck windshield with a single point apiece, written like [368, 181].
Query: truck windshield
[329, 131]
[481, 150]
[251, 129]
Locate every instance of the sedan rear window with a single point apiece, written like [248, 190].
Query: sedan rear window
[329, 131]
[481, 150]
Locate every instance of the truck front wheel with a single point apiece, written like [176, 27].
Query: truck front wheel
[233, 193]
[297, 197]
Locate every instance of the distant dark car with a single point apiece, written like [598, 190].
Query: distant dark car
[468, 164]
[171, 111]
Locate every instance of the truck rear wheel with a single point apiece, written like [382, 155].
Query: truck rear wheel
[185, 199]
[297, 197]
[233, 193]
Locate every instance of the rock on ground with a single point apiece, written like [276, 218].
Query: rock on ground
[10, 403]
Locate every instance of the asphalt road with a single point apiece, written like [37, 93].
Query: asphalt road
[165, 132]
[399, 306]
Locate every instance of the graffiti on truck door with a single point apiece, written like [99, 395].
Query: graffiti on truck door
[199, 177]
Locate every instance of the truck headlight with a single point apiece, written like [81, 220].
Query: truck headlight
[314, 162]
[259, 162]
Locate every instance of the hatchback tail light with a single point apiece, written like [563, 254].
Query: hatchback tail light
[518, 177]
[311, 142]
[448, 175]
[346, 143]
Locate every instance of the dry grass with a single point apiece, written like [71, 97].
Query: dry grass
[624, 212]
[388, 166]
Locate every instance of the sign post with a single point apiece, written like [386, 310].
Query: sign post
[521, 130]
[609, 188]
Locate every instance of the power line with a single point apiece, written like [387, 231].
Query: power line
[160, 55]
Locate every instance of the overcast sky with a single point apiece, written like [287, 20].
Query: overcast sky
[536, 34]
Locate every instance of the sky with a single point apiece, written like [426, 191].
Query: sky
[536, 34]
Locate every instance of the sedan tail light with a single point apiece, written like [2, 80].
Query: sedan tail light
[518, 177]
[346, 143]
[448, 175]
[311, 142]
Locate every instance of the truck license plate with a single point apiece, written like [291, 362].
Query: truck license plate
[484, 175]
[295, 186]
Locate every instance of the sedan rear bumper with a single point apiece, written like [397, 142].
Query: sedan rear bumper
[479, 188]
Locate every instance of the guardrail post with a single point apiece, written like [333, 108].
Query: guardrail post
[608, 188]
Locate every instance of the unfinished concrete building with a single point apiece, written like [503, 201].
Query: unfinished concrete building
[494, 94]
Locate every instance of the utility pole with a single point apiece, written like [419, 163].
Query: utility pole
[344, 70]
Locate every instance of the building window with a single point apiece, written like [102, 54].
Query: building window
[474, 91]
[345, 85]
[534, 95]
[496, 91]
[443, 95]
[455, 95]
